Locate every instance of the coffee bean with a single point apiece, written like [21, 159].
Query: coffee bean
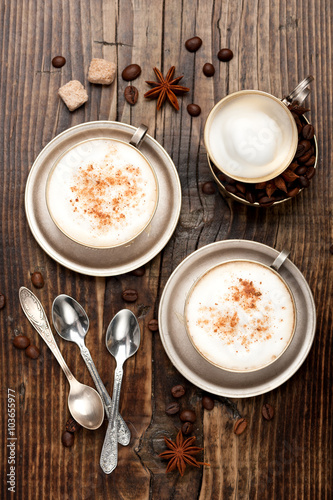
[305, 157]
[208, 403]
[178, 391]
[72, 425]
[308, 131]
[208, 70]
[240, 426]
[241, 187]
[140, 271]
[131, 95]
[37, 279]
[2, 300]
[265, 201]
[267, 411]
[131, 72]
[172, 408]
[331, 249]
[58, 61]
[153, 325]
[21, 342]
[303, 147]
[187, 428]
[130, 295]
[240, 195]
[225, 55]
[188, 416]
[67, 439]
[231, 188]
[193, 109]
[310, 172]
[311, 161]
[300, 170]
[293, 166]
[222, 177]
[250, 197]
[32, 352]
[293, 192]
[208, 188]
[303, 182]
[193, 44]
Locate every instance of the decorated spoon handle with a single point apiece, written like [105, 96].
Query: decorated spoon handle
[124, 434]
[35, 313]
[109, 454]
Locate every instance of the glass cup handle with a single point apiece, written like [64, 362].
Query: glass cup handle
[138, 135]
[280, 259]
[300, 92]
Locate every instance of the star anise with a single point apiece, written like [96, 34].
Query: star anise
[181, 453]
[166, 88]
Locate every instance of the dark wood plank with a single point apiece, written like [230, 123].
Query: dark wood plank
[275, 45]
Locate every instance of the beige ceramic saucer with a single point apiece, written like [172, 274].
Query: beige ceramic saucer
[103, 262]
[186, 358]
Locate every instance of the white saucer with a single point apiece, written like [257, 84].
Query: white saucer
[186, 358]
[103, 262]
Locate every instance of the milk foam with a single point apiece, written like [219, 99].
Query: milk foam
[102, 193]
[240, 315]
[251, 136]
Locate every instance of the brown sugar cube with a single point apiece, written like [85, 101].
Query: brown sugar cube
[101, 71]
[73, 94]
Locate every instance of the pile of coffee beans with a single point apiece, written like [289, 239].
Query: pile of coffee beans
[288, 184]
[187, 415]
[67, 437]
[22, 342]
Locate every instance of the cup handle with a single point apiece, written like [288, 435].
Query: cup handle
[280, 259]
[300, 92]
[138, 135]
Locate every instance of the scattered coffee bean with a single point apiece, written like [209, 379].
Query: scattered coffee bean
[140, 271]
[208, 188]
[193, 44]
[21, 342]
[32, 352]
[240, 426]
[331, 249]
[208, 70]
[267, 411]
[225, 55]
[308, 131]
[58, 61]
[130, 295]
[153, 325]
[131, 95]
[193, 109]
[37, 279]
[72, 425]
[207, 403]
[178, 391]
[172, 408]
[303, 182]
[131, 72]
[188, 416]
[67, 439]
[187, 428]
[310, 172]
[2, 301]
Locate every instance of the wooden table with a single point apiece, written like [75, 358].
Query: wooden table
[275, 45]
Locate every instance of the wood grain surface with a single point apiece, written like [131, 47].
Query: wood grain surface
[275, 44]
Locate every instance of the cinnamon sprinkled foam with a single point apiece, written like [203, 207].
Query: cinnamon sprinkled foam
[240, 315]
[102, 193]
